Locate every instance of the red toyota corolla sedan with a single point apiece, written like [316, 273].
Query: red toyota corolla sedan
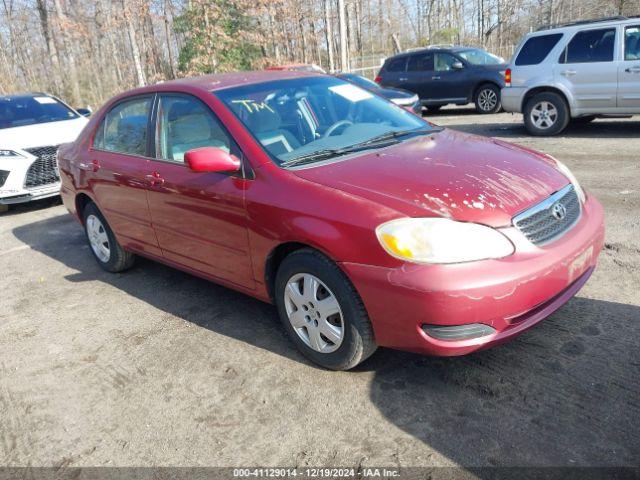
[366, 225]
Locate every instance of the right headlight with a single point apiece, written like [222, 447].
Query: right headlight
[9, 153]
[571, 177]
[440, 240]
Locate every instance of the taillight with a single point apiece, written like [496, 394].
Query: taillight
[507, 77]
[378, 79]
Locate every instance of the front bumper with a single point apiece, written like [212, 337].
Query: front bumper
[512, 99]
[510, 295]
[13, 189]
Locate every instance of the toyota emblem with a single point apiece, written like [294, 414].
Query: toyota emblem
[559, 211]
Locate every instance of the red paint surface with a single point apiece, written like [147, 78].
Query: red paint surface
[224, 228]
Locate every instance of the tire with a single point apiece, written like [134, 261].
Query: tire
[557, 117]
[115, 258]
[297, 306]
[583, 120]
[487, 99]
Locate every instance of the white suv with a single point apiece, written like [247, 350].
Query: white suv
[575, 72]
[32, 126]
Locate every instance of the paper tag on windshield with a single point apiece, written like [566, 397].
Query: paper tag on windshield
[351, 92]
[44, 100]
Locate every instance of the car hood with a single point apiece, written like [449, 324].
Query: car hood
[447, 174]
[41, 134]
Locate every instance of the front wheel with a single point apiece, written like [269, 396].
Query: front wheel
[488, 99]
[104, 246]
[322, 312]
[546, 114]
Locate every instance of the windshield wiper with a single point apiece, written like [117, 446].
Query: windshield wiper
[385, 139]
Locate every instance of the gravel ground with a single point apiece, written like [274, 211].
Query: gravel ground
[155, 367]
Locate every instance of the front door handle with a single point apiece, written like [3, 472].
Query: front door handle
[569, 73]
[633, 69]
[435, 77]
[94, 166]
[155, 179]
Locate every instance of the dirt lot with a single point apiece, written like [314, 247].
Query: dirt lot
[155, 367]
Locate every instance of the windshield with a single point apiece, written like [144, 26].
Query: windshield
[480, 57]
[297, 117]
[18, 111]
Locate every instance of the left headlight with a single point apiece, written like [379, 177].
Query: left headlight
[440, 240]
[9, 153]
[572, 178]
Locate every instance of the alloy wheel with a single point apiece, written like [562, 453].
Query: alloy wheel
[98, 238]
[314, 313]
[487, 99]
[544, 115]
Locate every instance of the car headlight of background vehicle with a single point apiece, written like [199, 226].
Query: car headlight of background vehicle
[571, 177]
[440, 240]
[9, 153]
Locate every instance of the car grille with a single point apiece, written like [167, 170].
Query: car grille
[44, 170]
[551, 218]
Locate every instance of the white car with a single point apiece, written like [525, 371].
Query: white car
[32, 126]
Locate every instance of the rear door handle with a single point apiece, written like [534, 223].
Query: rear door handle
[403, 79]
[569, 73]
[633, 69]
[435, 77]
[154, 179]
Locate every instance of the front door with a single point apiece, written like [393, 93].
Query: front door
[449, 83]
[119, 164]
[629, 72]
[588, 68]
[199, 218]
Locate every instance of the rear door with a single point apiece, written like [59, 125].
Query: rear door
[587, 66]
[199, 218]
[118, 166]
[420, 75]
[629, 71]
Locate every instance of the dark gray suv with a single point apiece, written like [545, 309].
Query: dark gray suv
[444, 75]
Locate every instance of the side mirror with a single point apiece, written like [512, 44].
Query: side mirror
[211, 159]
[85, 112]
[457, 65]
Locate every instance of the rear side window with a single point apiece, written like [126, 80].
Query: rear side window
[590, 46]
[632, 43]
[124, 128]
[396, 64]
[536, 49]
[420, 63]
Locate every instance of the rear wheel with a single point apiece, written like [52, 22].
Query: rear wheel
[488, 99]
[322, 312]
[546, 114]
[105, 248]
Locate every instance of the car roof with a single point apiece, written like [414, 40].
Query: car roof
[454, 49]
[582, 24]
[211, 83]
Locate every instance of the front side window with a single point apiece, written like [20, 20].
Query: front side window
[420, 63]
[632, 43]
[536, 49]
[185, 123]
[444, 62]
[301, 117]
[590, 46]
[124, 128]
[22, 110]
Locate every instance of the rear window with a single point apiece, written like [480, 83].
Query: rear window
[536, 49]
[396, 64]
[421, 63]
